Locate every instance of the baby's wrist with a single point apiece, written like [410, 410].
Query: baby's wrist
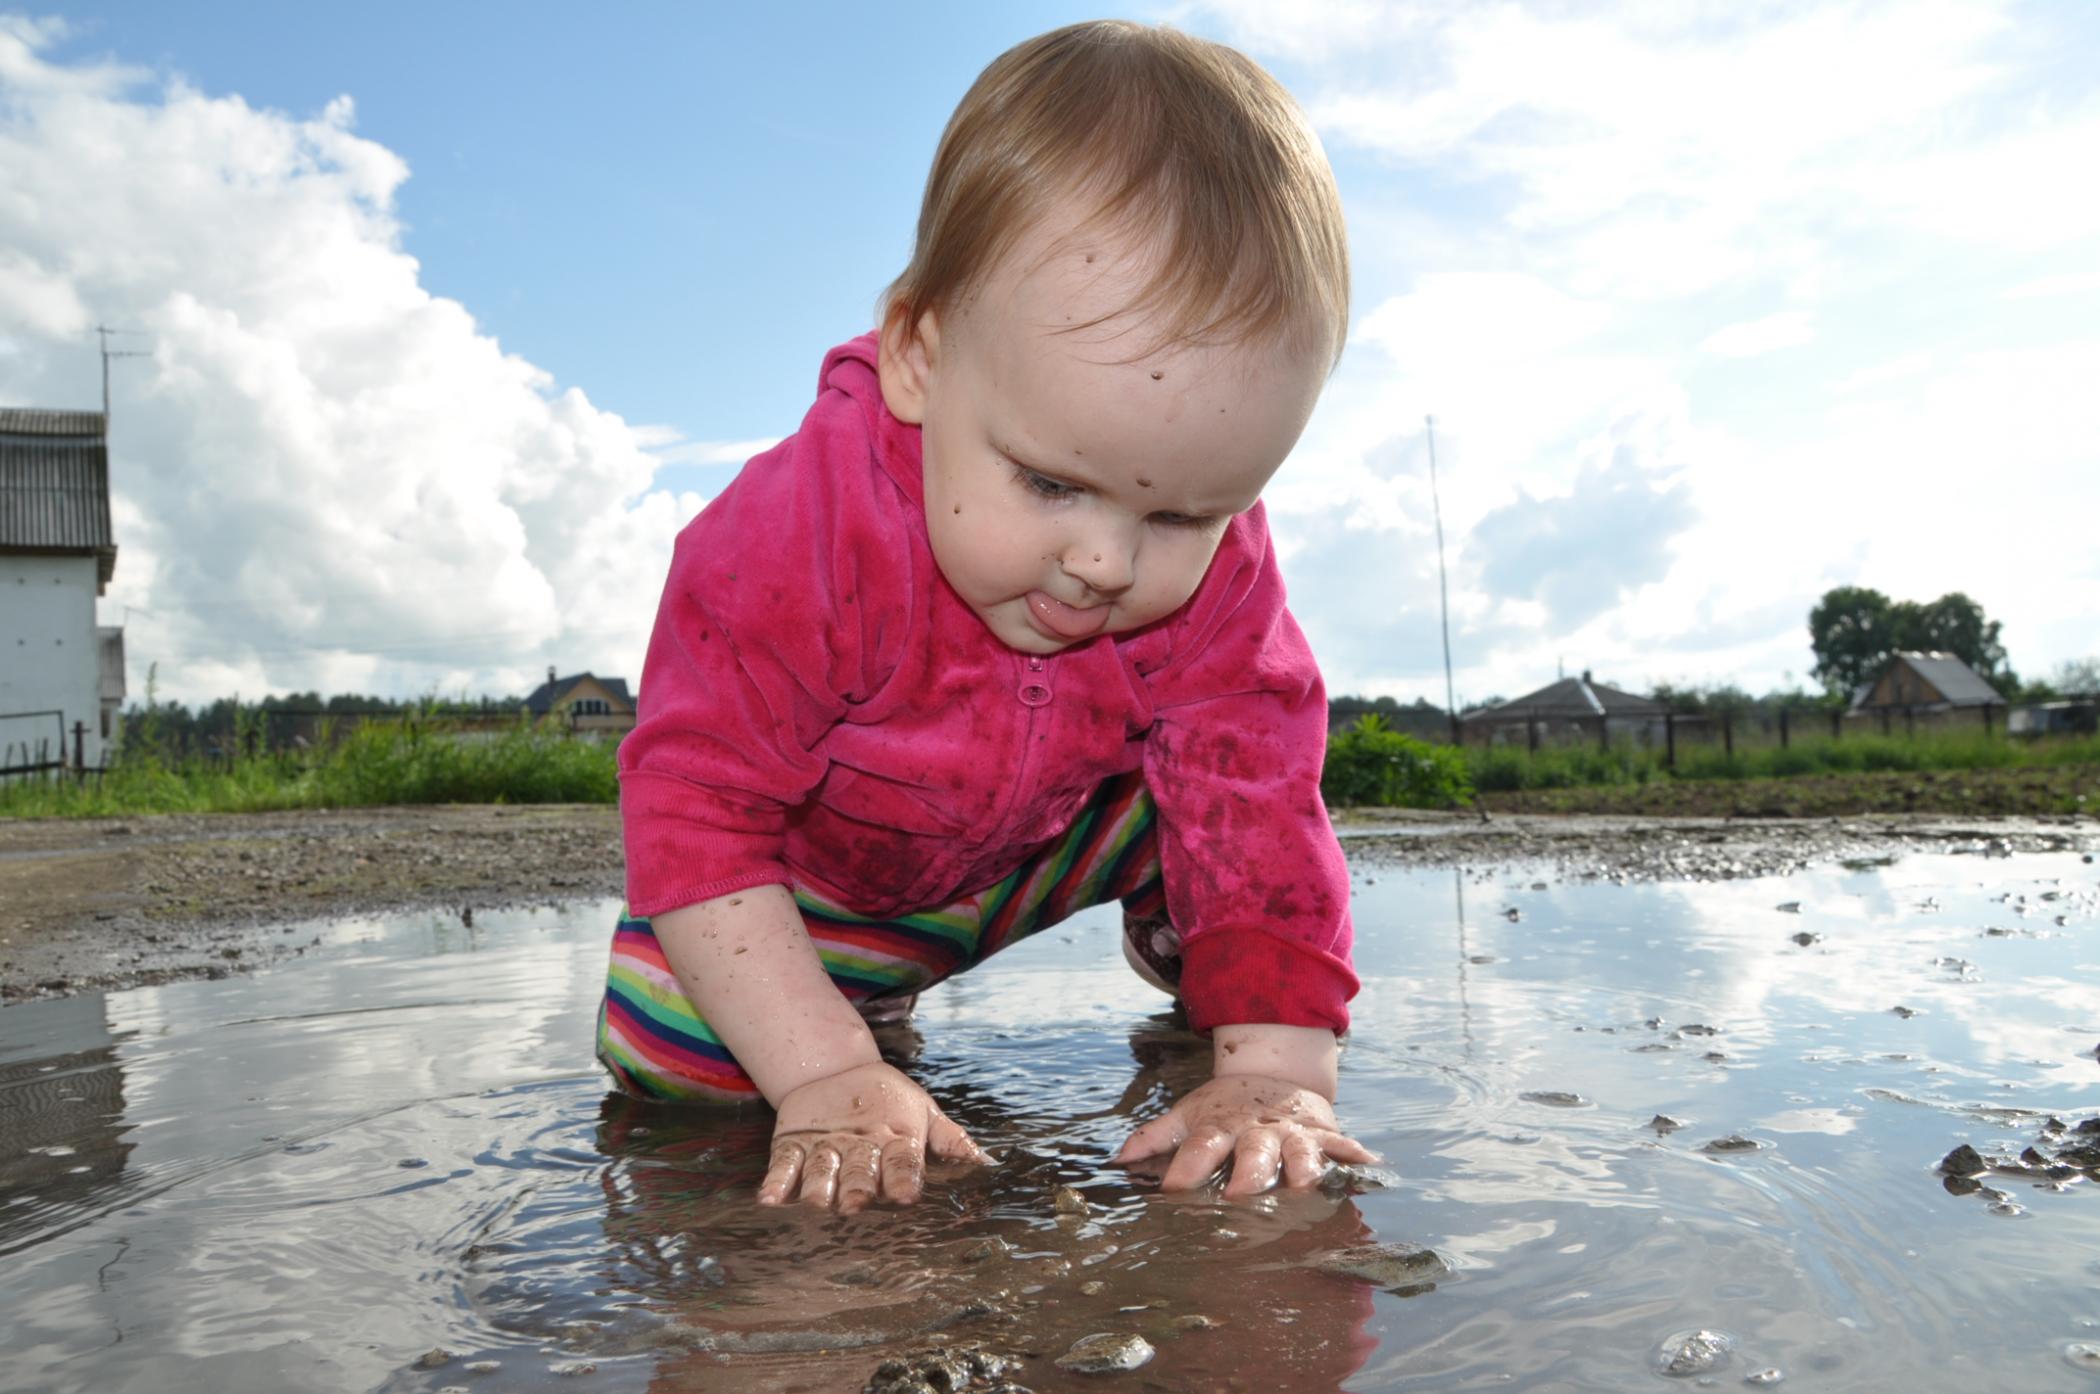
[804, 1061]
[1307, 1056]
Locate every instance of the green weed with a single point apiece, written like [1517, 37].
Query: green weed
[410, 761]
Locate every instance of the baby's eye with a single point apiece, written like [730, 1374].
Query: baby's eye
[1181, 520]
[1043, 484]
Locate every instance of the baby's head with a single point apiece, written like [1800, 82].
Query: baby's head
[1130, 282]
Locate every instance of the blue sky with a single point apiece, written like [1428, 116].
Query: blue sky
[454, 313]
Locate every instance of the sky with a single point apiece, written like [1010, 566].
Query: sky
[442, 320]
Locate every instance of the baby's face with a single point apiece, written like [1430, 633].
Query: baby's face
[1070, 493]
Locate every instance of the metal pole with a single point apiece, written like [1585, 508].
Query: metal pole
[1443, 591]
[104, 331]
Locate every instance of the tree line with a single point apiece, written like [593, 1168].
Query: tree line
[215, 728]
[1853, 631]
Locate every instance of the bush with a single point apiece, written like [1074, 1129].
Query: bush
[1369, 763]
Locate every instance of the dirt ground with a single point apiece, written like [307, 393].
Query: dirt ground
[115, 902]
[107, 903]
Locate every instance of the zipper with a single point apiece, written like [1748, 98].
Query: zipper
[1034, 692]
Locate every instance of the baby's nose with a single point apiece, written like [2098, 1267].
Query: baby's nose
[1104, 567]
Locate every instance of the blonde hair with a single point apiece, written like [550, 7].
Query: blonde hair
[1184, 144]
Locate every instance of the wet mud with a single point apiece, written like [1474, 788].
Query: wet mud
[90, 904]
[119, 902]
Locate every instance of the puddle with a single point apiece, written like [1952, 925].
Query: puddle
[1645, 1136]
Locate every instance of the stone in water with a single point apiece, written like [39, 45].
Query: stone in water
[1401, 1269]
[1105, 1353]
[1694, 1352]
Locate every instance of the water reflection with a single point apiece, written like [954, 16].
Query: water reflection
[392, 1166]
[64, 1108]
[789, 1299]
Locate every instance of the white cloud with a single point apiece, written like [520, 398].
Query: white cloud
[1580, 552]
[1595, 215]
[325, 476]
[1787, 329]
[2048, 287]
[669, 448]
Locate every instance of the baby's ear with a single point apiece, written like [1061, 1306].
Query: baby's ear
[906, 364]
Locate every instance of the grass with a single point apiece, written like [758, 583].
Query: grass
[1506, 769]
[419, 761]
[404, 762]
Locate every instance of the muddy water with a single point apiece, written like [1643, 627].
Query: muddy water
[391, 1165]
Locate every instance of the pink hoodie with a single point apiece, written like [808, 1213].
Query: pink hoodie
[818, 707]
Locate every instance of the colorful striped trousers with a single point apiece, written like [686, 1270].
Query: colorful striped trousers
[656, 1045]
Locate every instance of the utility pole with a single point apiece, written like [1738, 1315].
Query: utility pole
[104, 331]
[1443, 588]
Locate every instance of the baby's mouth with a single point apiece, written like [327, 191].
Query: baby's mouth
[1066, 621]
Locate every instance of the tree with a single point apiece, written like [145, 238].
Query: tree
[1952, 624]
[1853, 631]
[2078, 675]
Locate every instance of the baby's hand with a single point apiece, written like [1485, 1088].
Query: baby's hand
[1264, 1125]
[859, 1136]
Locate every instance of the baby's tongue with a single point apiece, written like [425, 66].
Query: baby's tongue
[1064, 619]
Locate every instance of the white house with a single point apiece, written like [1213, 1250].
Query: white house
[61, 675]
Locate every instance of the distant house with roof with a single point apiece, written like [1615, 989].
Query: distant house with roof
[585, 701]
[1570, 708]
[1925, 682]
[59, 669]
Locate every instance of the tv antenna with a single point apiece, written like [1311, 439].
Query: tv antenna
[104, 331]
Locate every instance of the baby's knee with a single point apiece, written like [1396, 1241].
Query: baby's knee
[1153, 950]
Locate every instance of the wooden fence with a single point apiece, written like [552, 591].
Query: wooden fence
[1782, 727]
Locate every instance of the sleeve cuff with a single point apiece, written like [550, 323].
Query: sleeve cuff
[1238, 977]
[683, 846]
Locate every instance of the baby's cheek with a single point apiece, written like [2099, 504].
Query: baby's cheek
[1179, 579]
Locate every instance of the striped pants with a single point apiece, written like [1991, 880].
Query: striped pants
[656, 1045]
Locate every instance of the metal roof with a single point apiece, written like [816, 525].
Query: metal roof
[1577, 698]
[42, 421]
[1958, 684]
[54, 485]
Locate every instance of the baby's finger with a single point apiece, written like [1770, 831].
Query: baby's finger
[1254, 1163]
[857, 1178]
[1347, 1149]
[820, 1174]
[1198, 1159]
[1303, 1161]
[903, 1171]
[946, 1139]
[781, 1173]
[1162, 1134]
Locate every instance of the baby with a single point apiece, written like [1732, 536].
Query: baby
[999, 634]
